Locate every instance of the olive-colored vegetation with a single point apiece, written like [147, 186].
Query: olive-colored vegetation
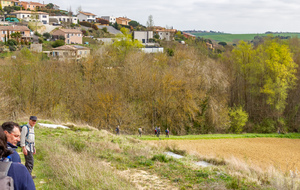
[188, 89]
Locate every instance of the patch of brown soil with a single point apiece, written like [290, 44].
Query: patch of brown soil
[145, 181]
[283, 154]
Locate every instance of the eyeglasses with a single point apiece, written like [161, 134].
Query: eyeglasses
[15, 135]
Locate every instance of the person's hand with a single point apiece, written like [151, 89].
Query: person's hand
[34, 151]
[24, 150]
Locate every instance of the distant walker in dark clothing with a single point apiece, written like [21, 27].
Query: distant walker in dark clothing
[118, 130]
[167, 132]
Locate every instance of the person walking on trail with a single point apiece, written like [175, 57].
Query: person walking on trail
[28, 143]
[17, 171]
[118, 130]
[167, 132]
[158, 131]
[155, 131]
[12, 132]
[140, 131]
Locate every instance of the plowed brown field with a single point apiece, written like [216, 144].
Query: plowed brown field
[283, 154]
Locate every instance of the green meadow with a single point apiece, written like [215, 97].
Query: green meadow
[234, 38]
[221, 136]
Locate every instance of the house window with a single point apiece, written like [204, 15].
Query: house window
[3, 32]
[44, 16]
[143, 40]
[167, 33]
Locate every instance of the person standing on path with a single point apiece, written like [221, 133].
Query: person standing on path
[27, 143]
[167, 132]
[118, 130]
[12, 132]
[158, 131]
[140, 131]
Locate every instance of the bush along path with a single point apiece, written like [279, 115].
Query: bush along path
[83, 158]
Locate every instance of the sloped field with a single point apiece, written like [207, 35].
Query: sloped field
[283, 154]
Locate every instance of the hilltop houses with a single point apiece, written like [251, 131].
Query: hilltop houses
[62, 18]
[7, 31]
[86, 16]
[32, 16]
[68, 52]
[164, 34]
[123, 20]
[72, 36]
[110, 19]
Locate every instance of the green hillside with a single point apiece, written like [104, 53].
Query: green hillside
[233, 38]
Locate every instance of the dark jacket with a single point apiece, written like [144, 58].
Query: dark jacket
[22, 178]
[14, 157]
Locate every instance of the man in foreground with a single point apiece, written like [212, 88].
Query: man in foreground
[27, 143]
[12, 132]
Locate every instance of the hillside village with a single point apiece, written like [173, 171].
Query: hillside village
[59, 33]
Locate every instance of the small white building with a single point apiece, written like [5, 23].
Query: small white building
[61, 19]
[143, 36]
[86, 16]
[109, 18]
[32, 16]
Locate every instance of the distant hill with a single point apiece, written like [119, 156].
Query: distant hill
[234, 38]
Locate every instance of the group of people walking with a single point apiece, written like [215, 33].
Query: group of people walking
[140, 131]
[11, 169]
[157, 132]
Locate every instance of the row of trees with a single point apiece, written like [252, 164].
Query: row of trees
[188, 92]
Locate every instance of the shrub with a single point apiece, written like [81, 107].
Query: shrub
[12, 42]
[95, 27]
[58, 43]
[238, 119]
[12, 48]
[160, 158]
[47, 35]
[266, 126]
[170, 52]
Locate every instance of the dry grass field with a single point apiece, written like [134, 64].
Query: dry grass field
[283, 154]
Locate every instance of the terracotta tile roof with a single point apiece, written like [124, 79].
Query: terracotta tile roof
[71, 31]
[87, 13]
[124, 18]
[28, 12]
[69, 47]
[14, 28]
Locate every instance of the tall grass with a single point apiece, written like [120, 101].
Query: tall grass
[92, 159]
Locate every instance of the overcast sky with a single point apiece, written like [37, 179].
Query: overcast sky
[229, 16]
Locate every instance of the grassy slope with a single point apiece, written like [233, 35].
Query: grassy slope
[77, 159]
[228, 38]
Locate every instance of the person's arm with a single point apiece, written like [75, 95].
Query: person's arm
[23, 137]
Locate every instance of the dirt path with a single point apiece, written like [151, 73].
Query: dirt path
[283, 154]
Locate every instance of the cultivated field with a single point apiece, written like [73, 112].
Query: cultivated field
[229, 38]
[283, 154]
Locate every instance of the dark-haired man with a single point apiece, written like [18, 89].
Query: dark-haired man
[12, 132]
[27, 143]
